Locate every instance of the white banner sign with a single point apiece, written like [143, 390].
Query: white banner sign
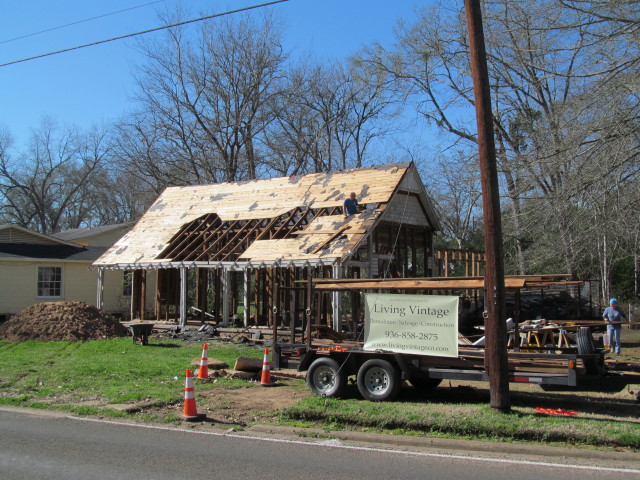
[418, 324]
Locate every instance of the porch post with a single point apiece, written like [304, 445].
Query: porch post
[226, 297]
[183, 296]
[337, 302]
[247, 302]
[100, 293]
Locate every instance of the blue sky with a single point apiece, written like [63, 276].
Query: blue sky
[94, 85]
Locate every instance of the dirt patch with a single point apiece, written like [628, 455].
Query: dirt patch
[242, 405]
[55, 321]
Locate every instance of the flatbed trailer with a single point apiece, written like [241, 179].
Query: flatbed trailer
[380, 373]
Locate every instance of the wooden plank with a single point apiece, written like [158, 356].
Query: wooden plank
[329, 239]
[410, 283]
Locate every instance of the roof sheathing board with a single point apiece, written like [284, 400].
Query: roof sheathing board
[337, 232]
[256, 199]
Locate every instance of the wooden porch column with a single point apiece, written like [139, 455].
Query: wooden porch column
[267, 300]
[226, 297]
[337, 302]
[183, 296]
[290, 299]
[256, 293]
[159, 283]
[100, 292]
[143, 293]
[247, 299]
[217, 294]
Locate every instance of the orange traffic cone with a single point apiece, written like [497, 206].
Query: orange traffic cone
[203, 371]
[265, 379]
[190, 410]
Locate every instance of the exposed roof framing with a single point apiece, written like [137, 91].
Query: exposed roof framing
[286, 219]
[212, 240]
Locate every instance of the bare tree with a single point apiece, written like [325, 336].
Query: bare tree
[47, 188]
[205, 102]
[326, 118]
[456, 192]
[551, 76]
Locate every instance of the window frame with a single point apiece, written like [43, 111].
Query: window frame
[54, 281]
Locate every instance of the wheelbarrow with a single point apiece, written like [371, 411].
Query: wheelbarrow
[140, 332]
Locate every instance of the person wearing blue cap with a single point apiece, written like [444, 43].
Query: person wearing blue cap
[613, 315]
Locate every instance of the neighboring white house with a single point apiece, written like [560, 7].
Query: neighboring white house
[37, 268]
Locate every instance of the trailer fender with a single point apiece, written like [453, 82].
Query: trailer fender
[407, 369]
[306, 359]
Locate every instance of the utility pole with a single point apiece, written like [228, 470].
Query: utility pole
[494, 321]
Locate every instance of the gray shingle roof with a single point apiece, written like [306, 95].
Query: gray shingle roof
[50, 252]
[75, 233]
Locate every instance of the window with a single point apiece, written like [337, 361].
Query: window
[49, 281]
[127, 281]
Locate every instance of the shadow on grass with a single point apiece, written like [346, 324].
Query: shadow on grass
[161, 345]
[579, 401]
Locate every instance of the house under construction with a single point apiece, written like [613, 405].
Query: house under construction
[221, 248]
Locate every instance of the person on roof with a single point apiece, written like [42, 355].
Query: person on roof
[613, 315]
[350, 205]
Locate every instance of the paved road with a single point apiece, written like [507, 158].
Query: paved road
[45, 447]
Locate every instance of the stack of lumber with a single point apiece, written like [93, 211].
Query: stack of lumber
[516, 362]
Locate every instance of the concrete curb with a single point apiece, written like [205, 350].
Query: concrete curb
[629, 459]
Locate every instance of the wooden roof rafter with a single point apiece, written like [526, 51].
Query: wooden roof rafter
[284, 224]
[267, 229]
[302, 220]
[191, 232]
[330, 239]
[240, 245]
[296, 228]
[224, 229]
[320, 212]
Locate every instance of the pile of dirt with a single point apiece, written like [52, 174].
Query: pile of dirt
[54, 321]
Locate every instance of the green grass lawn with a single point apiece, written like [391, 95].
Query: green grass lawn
[87, 377]
[111, 371]
[463, 411]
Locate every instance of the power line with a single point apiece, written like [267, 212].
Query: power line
[230, 12]
[79, 21]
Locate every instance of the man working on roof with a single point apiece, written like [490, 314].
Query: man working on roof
[350, 205]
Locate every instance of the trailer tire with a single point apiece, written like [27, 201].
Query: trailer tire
[585, 342]
[425, 384]
[325, 378]
[378, 380]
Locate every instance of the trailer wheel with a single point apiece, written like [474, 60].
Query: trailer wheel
[378, 380]
[585, 342]
[425, 384]
[325, 378]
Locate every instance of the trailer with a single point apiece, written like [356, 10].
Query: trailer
[380, 372]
